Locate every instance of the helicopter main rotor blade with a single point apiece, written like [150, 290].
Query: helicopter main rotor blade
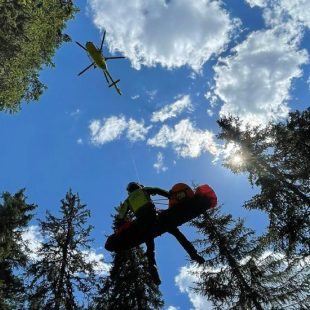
[86, 69]
[102, 41]
[80, 45]
[116, 57]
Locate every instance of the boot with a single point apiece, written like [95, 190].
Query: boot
[154, 274]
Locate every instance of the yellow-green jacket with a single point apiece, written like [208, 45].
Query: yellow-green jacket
[139, 199]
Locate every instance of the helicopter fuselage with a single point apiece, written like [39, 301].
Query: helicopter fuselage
[96, 56]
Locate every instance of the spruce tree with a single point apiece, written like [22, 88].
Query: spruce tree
[241, 272]
[62, 269]
[276, 159]
[30, 32]
[15, 215]
[129, 284]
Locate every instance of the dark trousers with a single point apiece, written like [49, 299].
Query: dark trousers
[146, 218]
[188, 247]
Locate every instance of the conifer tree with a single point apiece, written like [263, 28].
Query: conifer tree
[241, 273]
[30, 32]
[62, 268]
[15, 215]
[129, 284]
[276, 159]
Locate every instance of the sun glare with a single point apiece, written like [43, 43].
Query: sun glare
[237, 160]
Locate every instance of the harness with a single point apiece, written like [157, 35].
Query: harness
[138, 199]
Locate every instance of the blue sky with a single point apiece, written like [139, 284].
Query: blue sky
[188, 62]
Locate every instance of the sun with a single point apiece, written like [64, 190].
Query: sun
[237, 160]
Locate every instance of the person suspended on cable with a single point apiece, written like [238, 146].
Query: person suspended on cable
[140, 203]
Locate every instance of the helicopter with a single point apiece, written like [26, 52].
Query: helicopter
[99, 60]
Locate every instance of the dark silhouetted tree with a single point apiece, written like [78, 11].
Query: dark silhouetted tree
[129, 284]
[276, 158]
[241, 273]
[62, 269]
[30, 32]
[15, 215]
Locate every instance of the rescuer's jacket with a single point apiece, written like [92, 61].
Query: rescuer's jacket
[140, 199]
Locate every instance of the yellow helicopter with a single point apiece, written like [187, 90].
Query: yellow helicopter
[99, 60]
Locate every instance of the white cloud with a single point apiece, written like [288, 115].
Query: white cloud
[135, 97]
[152, 94]
[113, 127]
[254, 83]
[173, 308]
[159, 165]
[185, 281]
[299, 10]
[291, 13]
[97, 261]
[79, 141]
[32, 237]
[186, 140]
[210, 112]
[107, 130]
[189, 276]
[260, 3]
[172, 110]
[169, 33]
[75, 113]
[136, 131]
[308, 82]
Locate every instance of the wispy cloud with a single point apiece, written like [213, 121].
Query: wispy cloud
[185, 139]
[75, 113]
[136, 131]
[135, 97]
[254, 83]
[172, 110]
[293, 13]
[169, 33]
[173, 308]
[152, 94]
[159, 164]
[33, 239]
[112, 128]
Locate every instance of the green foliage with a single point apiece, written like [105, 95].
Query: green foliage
[276, 159]
[241, 273]
[129, 284]
[62, 267]
[30, 32]
[14, 217]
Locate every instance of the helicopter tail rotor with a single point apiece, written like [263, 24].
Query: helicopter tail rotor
[114, 83]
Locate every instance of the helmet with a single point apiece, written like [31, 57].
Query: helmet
[179, 192]
[132, 186]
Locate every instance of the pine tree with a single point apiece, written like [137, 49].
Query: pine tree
[129, 284]
[62, 268]
[241, 273]
[277, 160]
[15, 215]
[30, 32]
